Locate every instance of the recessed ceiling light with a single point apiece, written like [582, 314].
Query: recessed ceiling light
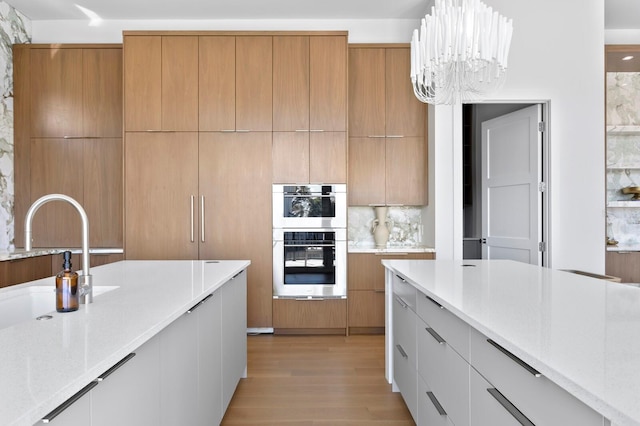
[627, 58]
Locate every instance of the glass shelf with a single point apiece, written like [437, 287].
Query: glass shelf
[625, 204]
[623, 130]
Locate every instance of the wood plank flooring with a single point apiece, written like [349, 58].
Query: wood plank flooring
[316, 380]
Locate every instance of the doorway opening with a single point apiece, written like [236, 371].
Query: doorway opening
[505, 182]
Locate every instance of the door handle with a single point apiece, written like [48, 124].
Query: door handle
[191, 216]
[202, 218]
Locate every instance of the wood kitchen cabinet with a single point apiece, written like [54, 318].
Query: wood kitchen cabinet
[624, 265]
[235, 83]
[68, 139]
[161, 82]
[23, 270]
[319, 316]
[387, 129]
[309, 108]
[366, 288]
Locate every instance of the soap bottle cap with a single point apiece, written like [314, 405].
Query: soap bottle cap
[66, 256]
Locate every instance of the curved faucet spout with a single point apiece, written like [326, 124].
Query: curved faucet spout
[86, 288]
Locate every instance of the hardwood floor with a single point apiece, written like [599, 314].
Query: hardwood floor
[316, 380]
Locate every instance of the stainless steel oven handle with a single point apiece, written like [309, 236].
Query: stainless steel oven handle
[293, 194]
[309, 245]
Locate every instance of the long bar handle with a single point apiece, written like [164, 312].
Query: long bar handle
[436, 403]
[200, 303]
[402, 352]
[434, 302]
[202, 218]
[515, 359]
[112, 370]
[402, 302]
[401, 279]
[191, 218]
[435, 335]
[511, 409]
[60, 408]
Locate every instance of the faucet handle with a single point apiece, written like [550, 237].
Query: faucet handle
[85, 289]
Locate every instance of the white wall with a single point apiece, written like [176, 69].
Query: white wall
[360, 30]
[556, 55]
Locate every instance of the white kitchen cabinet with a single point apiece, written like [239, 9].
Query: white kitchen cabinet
[404, 343]
[179, 372]
[129, 393]
[541, 400]
[210, 409]
[234, 335]
[445, 372]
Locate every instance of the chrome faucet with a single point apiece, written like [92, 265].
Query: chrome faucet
[85, 286]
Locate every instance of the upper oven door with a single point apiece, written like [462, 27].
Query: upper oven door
[310, 206]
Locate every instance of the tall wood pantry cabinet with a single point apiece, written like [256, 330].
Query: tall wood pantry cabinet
[387, 129]
[200, 187]
[68, 139]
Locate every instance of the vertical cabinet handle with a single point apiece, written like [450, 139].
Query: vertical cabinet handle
[191, 216]
[436, 403]
[68, 403]
[402, 352]
[507, 405]
[515, 359]
[202, 218]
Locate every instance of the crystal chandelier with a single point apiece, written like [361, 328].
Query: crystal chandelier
[460, 52]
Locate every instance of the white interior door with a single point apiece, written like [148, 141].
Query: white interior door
[511, 199]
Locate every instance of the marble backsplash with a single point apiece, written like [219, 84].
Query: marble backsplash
[623, 157]
[405, 226]
[15, 28]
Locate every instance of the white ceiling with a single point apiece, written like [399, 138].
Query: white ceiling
[619, 14]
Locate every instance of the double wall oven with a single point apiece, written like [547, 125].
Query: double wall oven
[309, 241]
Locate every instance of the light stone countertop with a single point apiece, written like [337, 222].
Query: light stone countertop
[43, 363]
[22, 254]
[581, 333]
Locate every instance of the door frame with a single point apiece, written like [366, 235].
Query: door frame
[545, 167]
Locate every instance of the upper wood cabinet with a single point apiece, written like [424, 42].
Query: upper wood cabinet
[310, 83]
[309, 108]
[381, 99]
[68, 139]
[387, 129]
[235, 89]
[161, 82]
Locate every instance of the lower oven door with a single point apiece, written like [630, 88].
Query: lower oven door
[310, 263]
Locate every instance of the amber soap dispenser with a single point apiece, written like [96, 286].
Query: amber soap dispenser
[67, 286]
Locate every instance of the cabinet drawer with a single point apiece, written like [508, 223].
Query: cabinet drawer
[484, 408]
[541, 400]
[428, 413]
[406, 380]
[404, 332]
[445, 372]
[405, 291]
[451, 328]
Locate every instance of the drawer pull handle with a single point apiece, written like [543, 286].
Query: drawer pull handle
[119, 364]
[401, 279]
[402, 352]
[60, 408]
[517, 414]
[436, 403]
[434, 302]
[402, 302]
[515, 359]
[435, 335]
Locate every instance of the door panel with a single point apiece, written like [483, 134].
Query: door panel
[290, 83]
[328, 157]
[180, 83]
[367, 171]
[254, 82]
[142, 82]
[366, 92]
[406, 171]
[290, 157]
[511, 170]
[217, 83]
[328, 77]
[406, 115]
[162, 176]
[102, 94]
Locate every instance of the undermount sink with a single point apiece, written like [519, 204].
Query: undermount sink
[26, 303]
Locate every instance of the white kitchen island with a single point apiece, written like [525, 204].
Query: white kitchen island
[44, 363]
[486, 342]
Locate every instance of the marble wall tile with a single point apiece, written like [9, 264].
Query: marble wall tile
[15, 28]
[405, 226]
[623, 157]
